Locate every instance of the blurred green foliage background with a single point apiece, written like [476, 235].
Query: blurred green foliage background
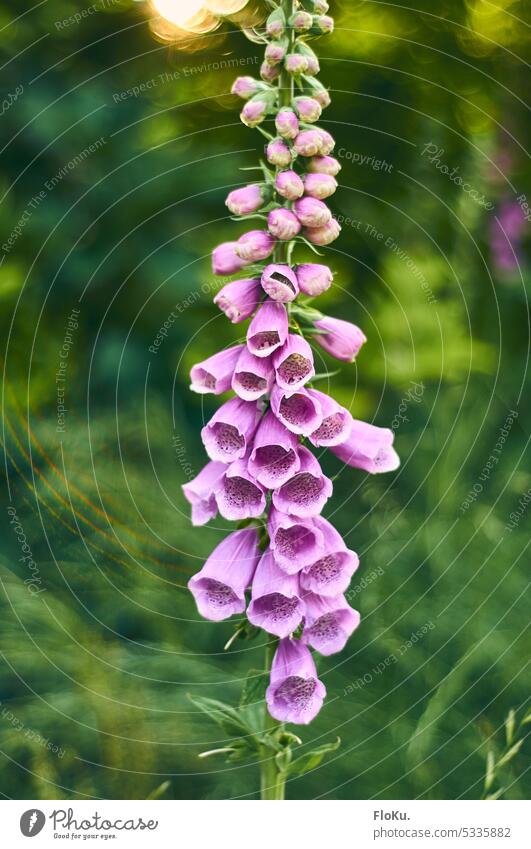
[100, 640]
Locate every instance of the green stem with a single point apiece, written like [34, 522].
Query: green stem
[273, 782]
[286, 91]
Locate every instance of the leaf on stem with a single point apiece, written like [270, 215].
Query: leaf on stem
[228, 718]
[312, 759]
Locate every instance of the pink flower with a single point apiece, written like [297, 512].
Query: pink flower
[324, 165]
[253, 376]
[369, 447]
[328, 623]
[287, 123]
[283, 224]
[295, 693]
[239, 299]
[275, 604]
[336, 425]
[324, 235]
[274, 459]
[268, 329]
[230, 430]
[307, 492]
[278, 153]
[225, 260]
[215, 374]
[255, 245]
[341, 339]
[312, 212]
[296, 64]
[298, 411]
[280, 283]
[246, 200]
[201, 492]
[320, 186]
[314, 279]
[308, 109]
[219, 588]
[289, 185]
[320, 7]
[245, 87]
[330, 573]
[239, 496]
[295, 543]
[293, 363]
[254, 112]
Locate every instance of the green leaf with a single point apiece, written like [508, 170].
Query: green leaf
[312, 759]
[508, 756]
[159, 791]
[309, 245]
[308, 313]
[325, 374]
[254, 687]
[527, 719]
[248, 217]
[510, 723]
[490, 773]
[228, 718]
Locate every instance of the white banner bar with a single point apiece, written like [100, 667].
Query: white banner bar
[220, 824]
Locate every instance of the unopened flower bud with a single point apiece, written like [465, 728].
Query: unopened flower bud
[275, 52]
[246, 200]
[324, 24]
[276, 24]
[269, 73]
[312, 60]
[320, 7]
[327, 142]
[314, 279]
[278, 153]
[322, 97]
[308, 109]
[324, 235]
[287, 123]
[313, 66]
[301, 21]
[323, 165]
[312, 212]
[319, 186]
[245, 87]
[296, 64]
[225, 260]
[289, 185]
[253, 113]
[308, 143]
[283, 224]
[255, 246]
